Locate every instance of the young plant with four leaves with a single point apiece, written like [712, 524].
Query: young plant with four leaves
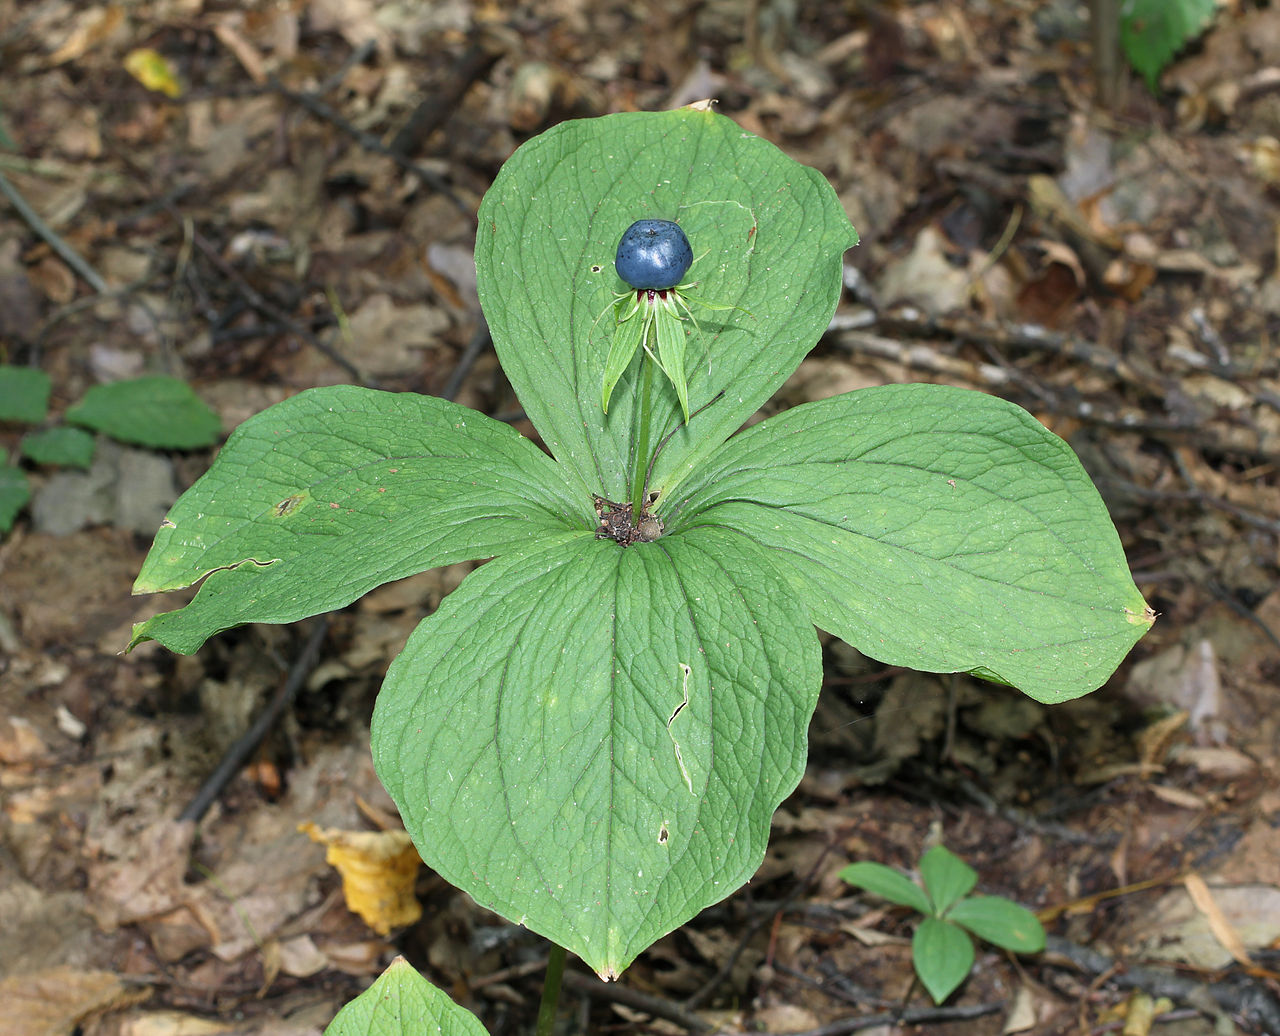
[156, 411]
[942, 947]
[591, 733]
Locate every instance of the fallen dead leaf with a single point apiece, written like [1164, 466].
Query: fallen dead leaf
[378, 871]
[1223, 930]
[55, 1001]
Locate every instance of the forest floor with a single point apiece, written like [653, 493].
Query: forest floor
[301, 212]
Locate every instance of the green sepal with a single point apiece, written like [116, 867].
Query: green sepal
[626, 340]
[671, 345]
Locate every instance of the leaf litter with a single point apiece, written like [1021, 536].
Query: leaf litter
[1115, 275]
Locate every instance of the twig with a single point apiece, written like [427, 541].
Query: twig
[703, 994]
[270, 309]
[628, 997]
[480, 340]
[69, 254]
[369, 142]
[834, 989]
[358, 56]
[245, 745]
[474, 63]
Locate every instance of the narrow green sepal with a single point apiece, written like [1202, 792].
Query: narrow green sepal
[626, 340]
[671, 346]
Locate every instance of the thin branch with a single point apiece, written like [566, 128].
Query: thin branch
[69, 254]
[480, 340]
[245, 745]
[370, 143]
[633, 998]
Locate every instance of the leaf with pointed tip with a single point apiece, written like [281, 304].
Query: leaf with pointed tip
[1000, 922]
[768, 234]
[943, 957]
[403, 1003]
[946, 878]
[933, 527]
[888, 884]
[155, 411]
[592, 739]
[317, 500]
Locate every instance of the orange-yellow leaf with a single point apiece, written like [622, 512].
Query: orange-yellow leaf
[378, 871]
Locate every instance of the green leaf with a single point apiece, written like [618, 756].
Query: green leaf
[403, 1003]
[592, 739]
[946, 877]
[15, 491]
[70, 447]
[936, 528]
[1000, 922]
[1153, 31]
[767, 233]
[160, 412]
[943, 956]
[319, 499]
[24, 394]
[888, 884]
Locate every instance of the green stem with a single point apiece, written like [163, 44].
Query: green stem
[642, 442]
[551, 991]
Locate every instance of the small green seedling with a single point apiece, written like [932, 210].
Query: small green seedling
[160, 412]
[942, 948]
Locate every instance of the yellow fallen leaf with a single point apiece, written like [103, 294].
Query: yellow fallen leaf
[153, 70]
[378, 871]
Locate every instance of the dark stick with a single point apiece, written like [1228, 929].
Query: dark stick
[270, 309]
[480, 340]
[50, 236]
[245, 745]
[435, 110]
[633, 998]
[369, 142]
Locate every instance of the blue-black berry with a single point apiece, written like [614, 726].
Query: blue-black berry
[653, 254]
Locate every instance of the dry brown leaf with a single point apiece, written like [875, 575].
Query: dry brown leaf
[1222, 929]
[246, 53]
[94, 27]
[55, 1001]
[174, 1023]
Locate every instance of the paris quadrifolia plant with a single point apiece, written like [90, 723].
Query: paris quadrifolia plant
[590, 735]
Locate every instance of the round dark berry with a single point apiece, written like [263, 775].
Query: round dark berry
[653, 254]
